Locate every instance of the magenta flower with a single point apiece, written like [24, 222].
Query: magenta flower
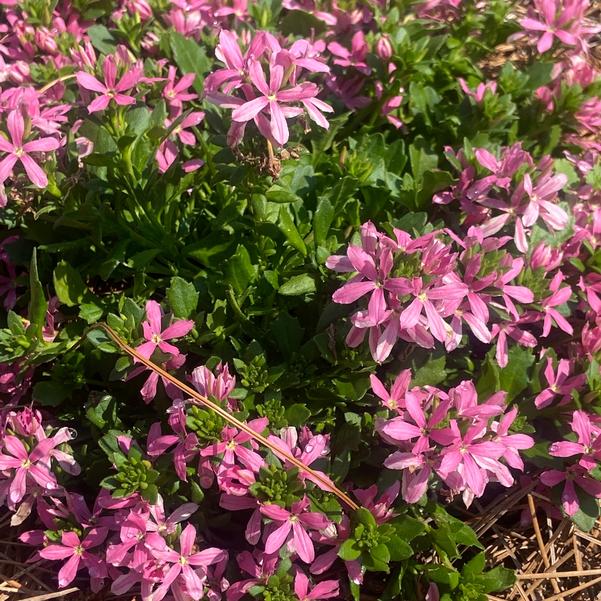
[572, 477]
[588, 444]
[110, 89]
[156, 336]
[558, 383]
[19, 151]
[258, 565]
[381, 508]
[34, 465]
[177, 93]
[556, 20]
[512, 442]
[232, 447]
[502, 331]
[355, 57]
[410, 316]
[294, 526]
[273, 98]
[479, 94]
[472, 459]
[416, 425]
[77, 552]
[395, 399]
[324, 590]
[558, 297]
[416, 468]
[540, 204]
[180, 564]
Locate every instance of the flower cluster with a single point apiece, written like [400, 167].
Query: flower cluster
[242, 85]
[465, 443]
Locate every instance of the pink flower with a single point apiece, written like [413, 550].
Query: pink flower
[109, 90]
[541, 197]
[274, 99]
[180, 564]
[558, 384]
[556, 20]
[395, 399]
[573, 476]
[324, 590]
[218, 385]
[77, 552]
[295, 525]
[355, 57]
[512, 442]
[177, 93]
[232, 447]
[558, 297]
[34, 465]
[167, 152]
[416, 426]
[472, 459]
[588, 445]
[502, 331]
[479, 94]
[19, 151]
[156, 336]
[382, 508]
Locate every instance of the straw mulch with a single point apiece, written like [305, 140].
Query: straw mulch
[553, 560]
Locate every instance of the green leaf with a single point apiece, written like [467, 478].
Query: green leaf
[442, 575]
[497, 579]
[240, 270]
[433, 372]
[407, 527]
[190, 57]
[380, 553]
[68, 284]
[322, 220]
[513, 379]
[300, 23]
[365, 517]
[278, 194]
[297, 285]
[297, 414]
[50, 393]
[182, 297]
[90, 312]
[398, 548]
[349, 551]
[37, 301]
[288, 228]
[15, 324]
[102, 39]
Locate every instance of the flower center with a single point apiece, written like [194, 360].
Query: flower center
[26, 464]
[182, 560]
[272, 97]
[78, 550]
[156, 338]
[18, 152]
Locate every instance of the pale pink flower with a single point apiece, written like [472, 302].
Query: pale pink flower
[19, 151]
[558, 383]
[555, 19]
[110, 89]
[588, 444]
[182, 566]
[156, 336]
[76, 551]
[294, 526]
[323, 590]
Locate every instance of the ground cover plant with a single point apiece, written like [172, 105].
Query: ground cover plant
[289, 285]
